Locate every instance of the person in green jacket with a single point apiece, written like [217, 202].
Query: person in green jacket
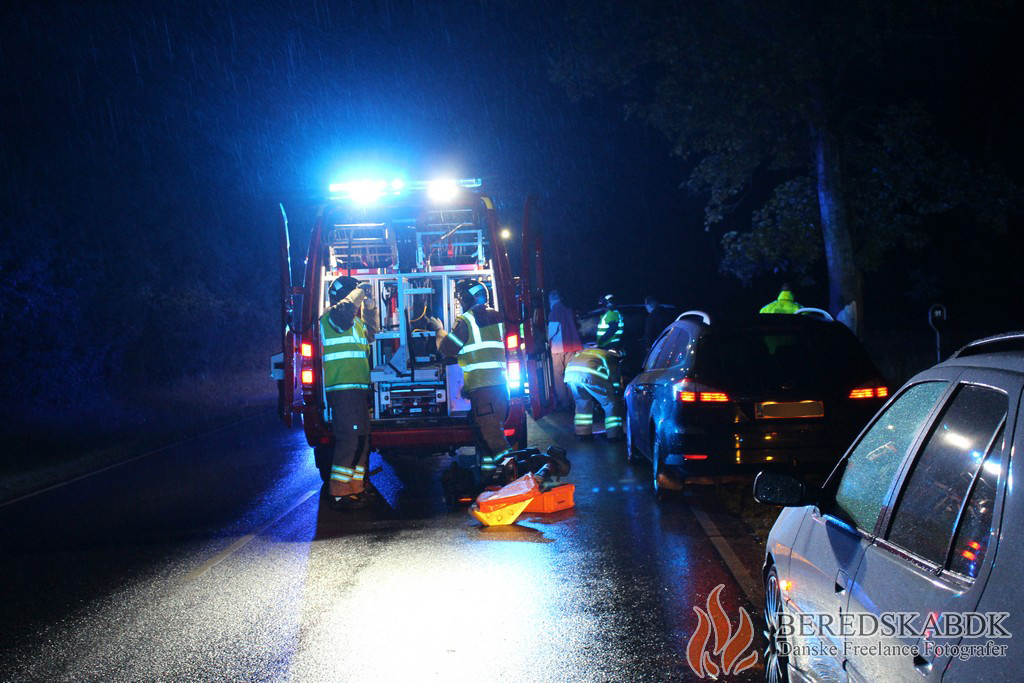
[611, 327]
[783, 304]
[347, 329]
[477, 342]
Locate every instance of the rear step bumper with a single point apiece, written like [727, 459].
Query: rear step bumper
[439, 434]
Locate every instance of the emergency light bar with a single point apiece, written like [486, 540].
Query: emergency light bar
[367, 191]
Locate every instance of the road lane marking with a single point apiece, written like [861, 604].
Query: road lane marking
[161, 449]
[244, 540]
[732, 561]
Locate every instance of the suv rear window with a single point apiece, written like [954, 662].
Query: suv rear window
[761, 358]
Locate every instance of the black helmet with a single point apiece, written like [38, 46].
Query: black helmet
[470, 293]
[608, 301]
[341, 287]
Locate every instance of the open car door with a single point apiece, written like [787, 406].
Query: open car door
[283, 364]
[539, 369]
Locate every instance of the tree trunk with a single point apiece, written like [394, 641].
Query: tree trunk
[844, 282]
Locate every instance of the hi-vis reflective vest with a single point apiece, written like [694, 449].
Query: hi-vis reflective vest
[595, 367]
[482, 356]
[611, 320]
[784, 304]
[346, 365]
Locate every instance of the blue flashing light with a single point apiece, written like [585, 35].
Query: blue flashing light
[367, 191]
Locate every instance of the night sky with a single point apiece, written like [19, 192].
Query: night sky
[131, 103]
[145, 147]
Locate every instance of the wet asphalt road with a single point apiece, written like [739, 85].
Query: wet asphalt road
[215, 560]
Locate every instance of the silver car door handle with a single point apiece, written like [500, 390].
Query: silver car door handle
[842, 580]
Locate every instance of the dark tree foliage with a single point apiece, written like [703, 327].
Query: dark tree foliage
[815, 130]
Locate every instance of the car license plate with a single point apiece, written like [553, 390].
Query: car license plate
[771, 409]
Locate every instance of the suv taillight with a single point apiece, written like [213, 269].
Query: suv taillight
[874, 391]
[691, 391]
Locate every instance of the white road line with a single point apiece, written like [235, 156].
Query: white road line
[128, 460]
[732, 562]
[240, 543]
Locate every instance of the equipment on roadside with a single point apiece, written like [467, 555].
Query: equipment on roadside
[527, 481]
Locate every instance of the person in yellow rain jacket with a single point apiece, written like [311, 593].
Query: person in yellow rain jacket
[345, 338]
[477, 341]
[593, 375]
[783, 304]
[611, 327]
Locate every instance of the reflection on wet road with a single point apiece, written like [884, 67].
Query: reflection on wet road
[216, 560]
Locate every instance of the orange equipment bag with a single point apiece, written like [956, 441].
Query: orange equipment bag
[558, 498]
[493, 508]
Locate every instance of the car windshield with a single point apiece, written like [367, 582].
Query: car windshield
[763, 358]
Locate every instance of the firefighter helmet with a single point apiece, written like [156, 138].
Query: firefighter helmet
[341, 287]
[471, 293]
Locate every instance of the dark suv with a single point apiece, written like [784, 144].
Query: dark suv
[729, 397]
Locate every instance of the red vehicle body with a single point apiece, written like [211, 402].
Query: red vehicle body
[413, 250]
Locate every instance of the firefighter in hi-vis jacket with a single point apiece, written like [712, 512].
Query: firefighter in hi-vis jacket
[593, 375]
[345, 338]
[611, 326]
[477, 341]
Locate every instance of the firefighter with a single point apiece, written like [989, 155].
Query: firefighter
[477, 341]
[345, 338]
[783, 304]
[611, 327]
[593, 375]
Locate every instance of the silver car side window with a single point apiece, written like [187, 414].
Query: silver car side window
[873, 464]
[975, 531]
[927, 510]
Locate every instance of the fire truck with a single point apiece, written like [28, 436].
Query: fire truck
[413, 242]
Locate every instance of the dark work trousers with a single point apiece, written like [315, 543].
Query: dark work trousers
[611, 403]
[350, 421]
[489, 409]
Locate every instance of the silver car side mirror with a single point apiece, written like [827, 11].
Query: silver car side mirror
[777, 488]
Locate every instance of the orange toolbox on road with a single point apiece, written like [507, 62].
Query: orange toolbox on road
[558, 498]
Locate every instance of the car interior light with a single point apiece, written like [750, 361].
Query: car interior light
[306, 349]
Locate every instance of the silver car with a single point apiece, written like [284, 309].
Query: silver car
[906, 565]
